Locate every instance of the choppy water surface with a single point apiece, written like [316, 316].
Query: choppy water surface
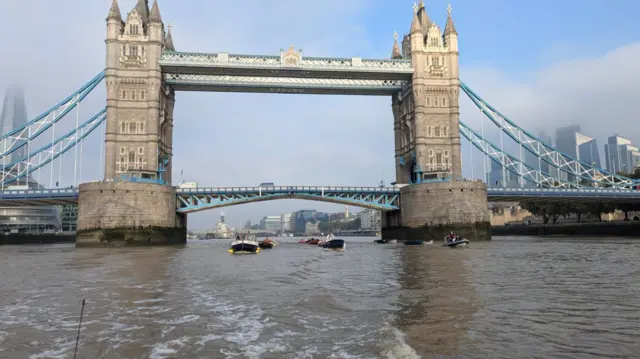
[509, 298]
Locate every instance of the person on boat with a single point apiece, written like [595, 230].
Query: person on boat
[450, 237]
[458, 237]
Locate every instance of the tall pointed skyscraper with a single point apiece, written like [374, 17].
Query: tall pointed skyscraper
[13, 115]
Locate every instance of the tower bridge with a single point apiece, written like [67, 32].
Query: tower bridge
[135, 200]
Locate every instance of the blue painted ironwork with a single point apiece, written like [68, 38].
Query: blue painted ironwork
[547, 194]
[291, 62]
[513, 164]
[546, 153]
[385, 198]
[47, 153]
[381, 198]
[19, 137]
[222, 83]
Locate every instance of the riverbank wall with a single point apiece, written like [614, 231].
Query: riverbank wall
[590, 229]
[46, 238]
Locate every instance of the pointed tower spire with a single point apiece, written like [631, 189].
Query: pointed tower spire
[155, 12]
[449, 28]
[425, 21]
[415, 24]
[168, 41]
[395, 52]
[142, 7]
[114, 12]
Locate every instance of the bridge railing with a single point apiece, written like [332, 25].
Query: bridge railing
[286, 189]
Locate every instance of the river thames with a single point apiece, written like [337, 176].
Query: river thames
[508, 298]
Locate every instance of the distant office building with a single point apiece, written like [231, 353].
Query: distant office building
[588, 152]
[288, 222]
[68, 217]
[571, 142]
[499, 176]
[311, 228]
[302, 218]
[620, 155]
[271, 223]
[370, 220]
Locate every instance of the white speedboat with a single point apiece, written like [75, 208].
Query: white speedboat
[245, 243]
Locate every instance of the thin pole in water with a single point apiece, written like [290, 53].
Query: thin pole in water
[75, 351]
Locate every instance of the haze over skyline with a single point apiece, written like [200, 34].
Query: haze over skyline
[544, 64]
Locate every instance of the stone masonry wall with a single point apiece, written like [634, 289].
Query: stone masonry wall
[444, 203]
[129, 213]
[431, 210]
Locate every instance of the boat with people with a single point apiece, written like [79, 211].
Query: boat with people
[334, 243]
[385, 241]
[245, 243]
[414, 242]
[453, 241]
[267, 243]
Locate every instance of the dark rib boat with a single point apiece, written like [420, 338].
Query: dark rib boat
[245, 243]
[334, 244]
[266, 244]
[415, 242]
[462, 242]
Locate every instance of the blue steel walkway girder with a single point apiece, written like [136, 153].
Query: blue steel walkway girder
[382, 198]
[291, 64]
[199, 199]
[258, 84]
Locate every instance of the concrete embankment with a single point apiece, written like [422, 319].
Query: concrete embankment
[50, 238]
[626, 229]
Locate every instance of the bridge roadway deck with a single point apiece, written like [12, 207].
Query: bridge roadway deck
[298, 66]
[70, 195]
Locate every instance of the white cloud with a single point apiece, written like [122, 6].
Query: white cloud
[244, 139]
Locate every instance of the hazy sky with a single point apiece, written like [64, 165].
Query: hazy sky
[542, 63]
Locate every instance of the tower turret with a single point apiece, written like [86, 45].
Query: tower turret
[450, 33]
[142, 8]
[395, 52]
[168, 41]
[114, 21]
[155, 27]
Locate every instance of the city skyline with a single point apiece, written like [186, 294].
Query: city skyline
[534, 74]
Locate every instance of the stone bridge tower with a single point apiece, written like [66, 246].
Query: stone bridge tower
[427, 141]
[139, 106]
[427, 137]
[140, 207]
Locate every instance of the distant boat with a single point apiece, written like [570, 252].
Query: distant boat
[458, 242]
[386, 241]
[268, 243]
[245, 243]
[414, 242]
[334, 244]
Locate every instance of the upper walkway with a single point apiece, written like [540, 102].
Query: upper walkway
[381, 198]
[289, 72]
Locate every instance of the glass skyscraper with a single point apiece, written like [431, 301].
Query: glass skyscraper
[620, 155]
[13, 115]
[28, 220]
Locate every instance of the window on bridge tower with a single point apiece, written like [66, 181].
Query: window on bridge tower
[133, 29]
[444, 131]
[132, 156]
[133, 51]
[124, 94]
[434, 41]
[437, 131]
